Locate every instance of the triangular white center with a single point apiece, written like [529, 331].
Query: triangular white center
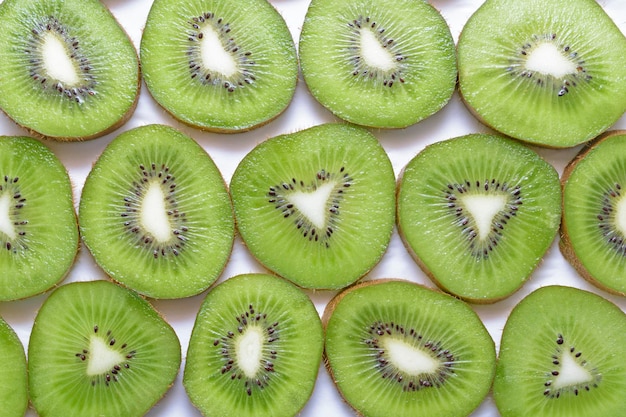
[249, 351]
[547, 59]
[313, 204]
[483, 208]
[102, 358]
[571, 373]
[214, 56]
[153, 213]
[409, 359]
[57, 62]
[373, 52]
[620, 215]
[6, 225]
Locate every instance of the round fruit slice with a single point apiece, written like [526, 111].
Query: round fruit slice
[219, 65]
[13, 376]
[69, 71]
[38, 231]
[593, 232]
[255, 349]
[562, 355]
[478, 213]
[156, 215]
[550, 73]
[378, 63]
[316, 206]
[395, 348]
[97, 349]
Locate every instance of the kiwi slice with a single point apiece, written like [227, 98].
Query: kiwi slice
[478, 213]
[316, 206]
[98, 349]
[219, 65]
[378, 63]
[69, 71]
[549, 73]
[593, 232]
[562, 355]
[395, 348]
[13, 374]
[156, 214]
[38, 231]
[255, 349]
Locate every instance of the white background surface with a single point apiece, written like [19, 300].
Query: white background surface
[227, 151]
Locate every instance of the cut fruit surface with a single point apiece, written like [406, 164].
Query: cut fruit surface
[255, 349]
[478, 213]
[395, 348]
[384, 64]
[316, 206]
[13, 374]
[219, 65]
[560, 356]
[549, 73]
[69, 71]
[156, 215]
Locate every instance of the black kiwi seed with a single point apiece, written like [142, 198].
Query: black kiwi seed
[606, 217]
[18, 241]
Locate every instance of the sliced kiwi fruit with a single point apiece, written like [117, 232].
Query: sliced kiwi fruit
[395, 348]
[561, 355]
[478, 213]
[156, 214]
[219, 65]
[386, 64]
[255, 349]
[38, 230]
[69, 71]
[549, 73]
[316, 206]
[13, 374]
[98, 349]
[593, 230]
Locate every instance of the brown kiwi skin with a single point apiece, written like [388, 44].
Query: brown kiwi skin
[565, 244]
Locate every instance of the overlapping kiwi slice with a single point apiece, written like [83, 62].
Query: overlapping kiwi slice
[38, 231]
[593, 231]
[69, 71]
[562, 355]
[478, 213]
[316, 206]
[378, 63]
[156, 214]
[219, 65]
[13, 374]
[255, 349]
[550, 73]
[395, 348]
[98, 349]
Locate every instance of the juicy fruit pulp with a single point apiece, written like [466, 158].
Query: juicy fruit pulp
[561, 355]
[398, 349]
[99, 349]
[550, 73]
[156, 215]
[478, 213]
[72, 62]
[255, 349]
[385, 63]
[217, 64]
[13, 376]
[38, 230]
[316, 206]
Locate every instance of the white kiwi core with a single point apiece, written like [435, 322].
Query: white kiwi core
[154, 214]
[102, 358]
[547, 59]
[214, 57]
[6, 225]
[373, 52]
[571, 373]
[313, 204]
[483, 209]
[408, 358]
[249, 351]
[620, 215]
[57, 62]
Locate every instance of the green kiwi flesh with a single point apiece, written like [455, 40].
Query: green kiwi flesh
[13, 374]
[38, 231]
[478, 213]
[561, 355]
[316, 206]
[255, 349]
[156, 214]
[98, 349]
[69, 71]
[395, 348]
[385, 64]
[550, 73]
[593, 234]
[219, 65]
